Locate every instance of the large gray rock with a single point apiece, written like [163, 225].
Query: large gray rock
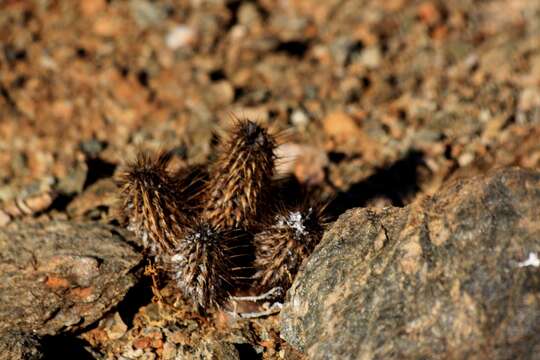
[61, 276]
[443, 278]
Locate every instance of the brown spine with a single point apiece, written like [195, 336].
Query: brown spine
[200, 266]
[151, 203]
[240, 177]
[282, 247]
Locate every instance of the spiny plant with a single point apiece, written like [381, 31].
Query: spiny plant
[284, 243]
[200, 265]
[240, 178]
[151, 203]
[190, 221]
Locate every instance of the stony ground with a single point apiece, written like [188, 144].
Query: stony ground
[381, 103]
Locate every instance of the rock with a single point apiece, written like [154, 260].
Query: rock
[371, 57]
[220, 93]
[108, 26]
[146, 13]
[341, 126]
[114, 326]
[180, 36]
[211, 349]
[61, 276]
[448, 276]
[248, 14]
[306, 162]
[101, 194]
[15, 345]
[73, 182]
[299, 119]
[92, 147]
[345, 135]
[429, 13]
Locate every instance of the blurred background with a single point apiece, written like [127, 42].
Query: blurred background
[382, 100]
[379, 103]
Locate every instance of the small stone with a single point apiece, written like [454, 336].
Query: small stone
[248, 14]
[306, 162]
[299, 118]
[209, 349]
[532, 260]
[91, 8]
[345, 135]
[133, 353]
[4, 218]
[92, 147]
[142, 342]
[114, 326]
[180, 36]
[371, 57]
[465, 159]
[429, 13]
[169, 351]
[48, 62]
[221, 93]
[340, 125]
[102, 193]
[146, 13]
[107, 26]
[529, 99]
[74, 181]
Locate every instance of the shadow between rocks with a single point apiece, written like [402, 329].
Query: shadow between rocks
[397, 183]
[97, 169]
[65, 347]
[136, 297]
[247, 352]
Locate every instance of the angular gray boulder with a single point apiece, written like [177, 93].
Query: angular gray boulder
[451, 276]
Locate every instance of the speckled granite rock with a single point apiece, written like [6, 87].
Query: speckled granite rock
[445, 277]
[61, 276]
[212, 349]
[15, 345]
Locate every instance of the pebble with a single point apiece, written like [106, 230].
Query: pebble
[146, 13]
[180, 36]
[340, 126]
[465, 159]
[299, 118]
[371, 57]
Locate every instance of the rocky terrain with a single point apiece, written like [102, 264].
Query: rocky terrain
[417, 121]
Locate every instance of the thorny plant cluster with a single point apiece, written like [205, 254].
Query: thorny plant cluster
[223, 229]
